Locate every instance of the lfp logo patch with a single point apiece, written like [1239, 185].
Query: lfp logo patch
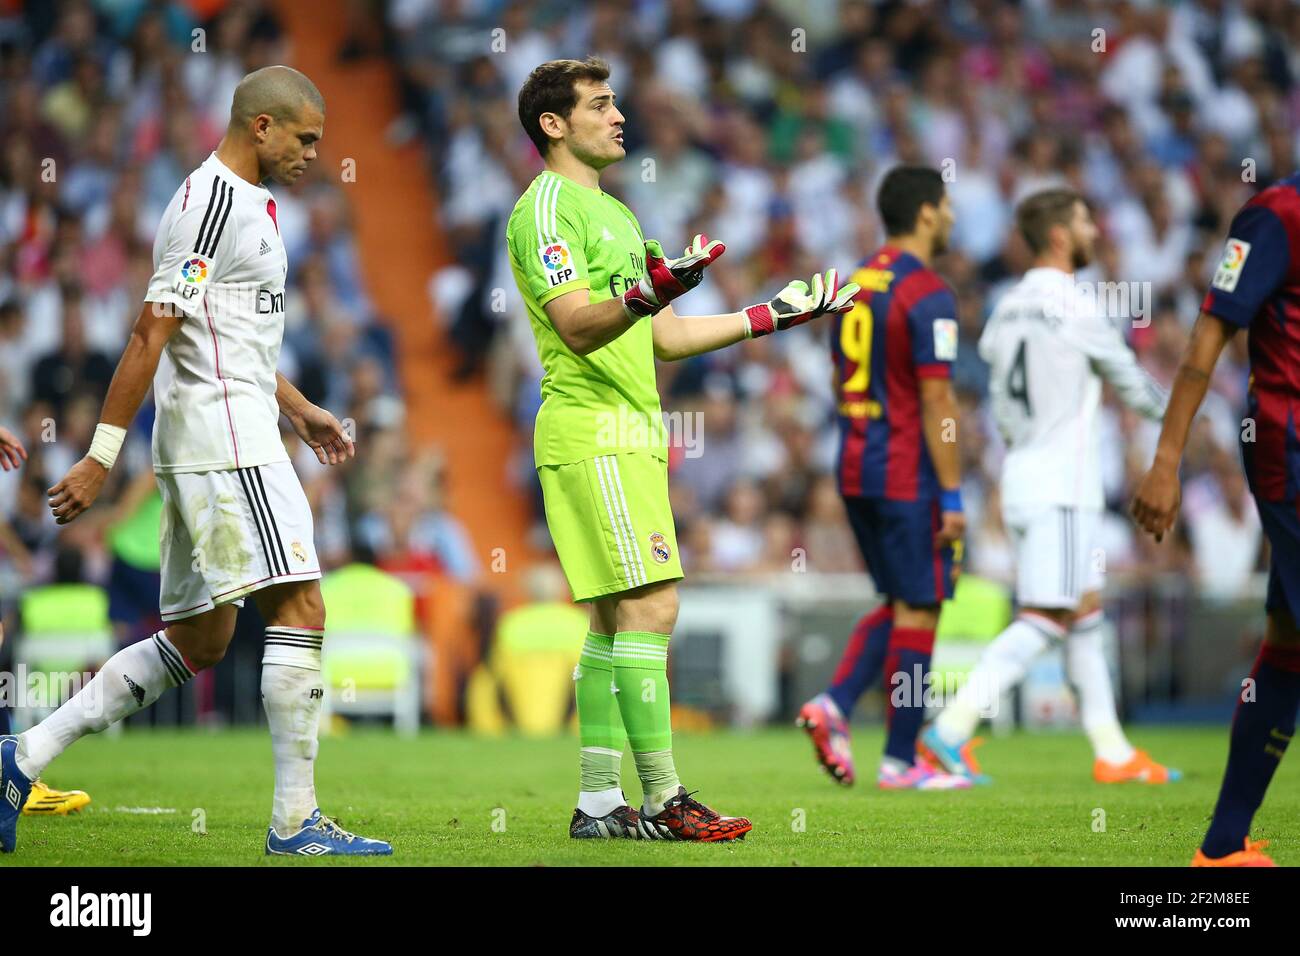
[945, 340]
[555, 256]
[194, 271]
[1230, 266]
[659, 547]
[557, 260]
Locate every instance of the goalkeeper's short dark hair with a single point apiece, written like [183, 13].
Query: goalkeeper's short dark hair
[550, 89]
[1040, 211]
[904, 190]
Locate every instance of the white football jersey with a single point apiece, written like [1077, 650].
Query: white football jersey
[1048, 347]
[219, 259]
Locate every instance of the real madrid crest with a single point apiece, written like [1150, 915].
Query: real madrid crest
[659, 547]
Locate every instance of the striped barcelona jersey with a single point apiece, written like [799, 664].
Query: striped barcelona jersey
[1257, 286]
[902, 328]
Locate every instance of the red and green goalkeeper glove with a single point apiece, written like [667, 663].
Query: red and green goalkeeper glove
[666, 279]
[797, 304]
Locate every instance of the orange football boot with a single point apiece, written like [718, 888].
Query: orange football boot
[684, 818]
[1139, 769]
[1250, 856]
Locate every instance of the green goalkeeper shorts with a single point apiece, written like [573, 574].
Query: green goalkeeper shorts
[611, 523]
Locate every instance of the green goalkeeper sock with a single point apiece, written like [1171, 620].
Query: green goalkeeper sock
[600, 725]
[641, 677]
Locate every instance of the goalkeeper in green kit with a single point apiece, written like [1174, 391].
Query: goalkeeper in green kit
[598, 295]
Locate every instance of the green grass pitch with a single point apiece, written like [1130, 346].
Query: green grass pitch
[447, 798]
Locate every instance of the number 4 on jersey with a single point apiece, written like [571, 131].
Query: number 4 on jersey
[1018, 380]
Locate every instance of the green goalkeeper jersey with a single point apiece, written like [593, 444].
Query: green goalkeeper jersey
[564, 236]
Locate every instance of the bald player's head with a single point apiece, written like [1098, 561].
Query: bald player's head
[279, 111]
[278, 91]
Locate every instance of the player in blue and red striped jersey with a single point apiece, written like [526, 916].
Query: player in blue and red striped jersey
[899, 475]
[1256, 287]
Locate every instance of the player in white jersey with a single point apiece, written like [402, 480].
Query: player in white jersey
[1049, 347]
[235, 521]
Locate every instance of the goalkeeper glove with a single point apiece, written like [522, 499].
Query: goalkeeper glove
[666, 279]
[797, 304]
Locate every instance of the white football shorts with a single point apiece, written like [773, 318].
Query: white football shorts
[225, 534]
[1057, 554]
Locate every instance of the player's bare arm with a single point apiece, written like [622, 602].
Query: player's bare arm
[322, 432]
[584, 326]
[1155, 504]
[938, 421]
[132, 380]
[12, 452]
[678, 337]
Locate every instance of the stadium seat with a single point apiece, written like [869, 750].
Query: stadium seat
[372, 657]
[65, 631]
[527, 683]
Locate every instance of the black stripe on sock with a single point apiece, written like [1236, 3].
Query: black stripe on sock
[306, 647]
[174, 666]
[284, 557]
[165, 653]
[170, 668]
[314, 642]
[255, 508]
[207, 213]
[217, 230]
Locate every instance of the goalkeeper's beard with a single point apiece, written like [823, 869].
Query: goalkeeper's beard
[598, 160]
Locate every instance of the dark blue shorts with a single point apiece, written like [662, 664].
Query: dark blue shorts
[1282, 526]
[133, 597]
[897, 543]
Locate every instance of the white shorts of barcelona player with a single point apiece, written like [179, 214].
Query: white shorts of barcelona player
[235, 517]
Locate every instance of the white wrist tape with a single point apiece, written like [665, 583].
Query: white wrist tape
[106, 444]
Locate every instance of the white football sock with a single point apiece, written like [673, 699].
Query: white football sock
[1001, 667]
[130, 681]
[293, 694]
[600, 803]
[893, 765]
[1087, 670]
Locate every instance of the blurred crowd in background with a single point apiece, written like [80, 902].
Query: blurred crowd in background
[766, 123]
[769, 124]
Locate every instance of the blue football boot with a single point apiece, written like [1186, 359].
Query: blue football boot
[14, 790]
[321, 836]
[955, 760]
